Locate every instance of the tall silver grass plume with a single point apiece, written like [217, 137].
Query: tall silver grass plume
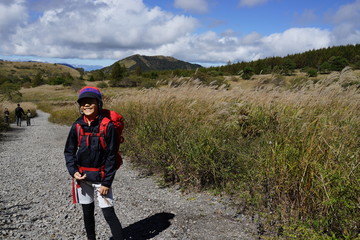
[347, 75]
[332, 78]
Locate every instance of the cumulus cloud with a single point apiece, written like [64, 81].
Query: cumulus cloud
[247, 48]
[251, 3]
[197, 6]
[295, 40]
[347, 24]
[348, 13]
[12, 15]
[97, 29]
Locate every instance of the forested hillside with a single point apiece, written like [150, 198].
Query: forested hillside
[321, 60]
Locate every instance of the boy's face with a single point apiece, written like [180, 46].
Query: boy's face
[89, 106]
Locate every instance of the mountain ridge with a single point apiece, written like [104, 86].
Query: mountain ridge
[152, 63]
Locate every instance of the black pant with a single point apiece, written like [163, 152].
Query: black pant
[110, 217]
[18, 121]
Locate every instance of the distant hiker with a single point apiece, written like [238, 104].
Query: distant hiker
[6, 116]
[18, 114]
[92, 166]
[28, 117]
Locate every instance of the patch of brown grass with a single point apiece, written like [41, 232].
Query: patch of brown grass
[21, 69]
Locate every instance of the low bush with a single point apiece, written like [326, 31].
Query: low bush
[102, 85]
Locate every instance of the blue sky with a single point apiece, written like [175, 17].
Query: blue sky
[208, 32]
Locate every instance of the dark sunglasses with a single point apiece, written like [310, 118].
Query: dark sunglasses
[89, 101]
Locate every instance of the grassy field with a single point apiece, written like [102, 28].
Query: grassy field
[293, 155]
[285, 149]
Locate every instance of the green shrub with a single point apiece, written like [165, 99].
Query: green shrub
[247, 73]
[91, 79]
[10, 91]
[325, 67]
[126, 82]
[102, 85]
[312, 72]
[148, 83]
[56, 80]
[337, 63]
[203, 77]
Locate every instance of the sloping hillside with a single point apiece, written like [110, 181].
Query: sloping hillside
[30, 69]
[149, 63]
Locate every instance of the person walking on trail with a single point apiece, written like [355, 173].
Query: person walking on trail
[18, 114]
[92, 167]
[6, 116]
[28, 117]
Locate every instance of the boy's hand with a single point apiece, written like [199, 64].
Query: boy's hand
[103, 190]
[78, 176]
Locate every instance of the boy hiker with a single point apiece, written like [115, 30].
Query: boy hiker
[6, 116]
[93, 166]
[28, 116]
[18, 114]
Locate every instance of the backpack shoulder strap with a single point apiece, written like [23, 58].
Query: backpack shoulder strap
[79, 133]
[102, 131]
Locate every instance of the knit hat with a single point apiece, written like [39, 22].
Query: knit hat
[90, 92]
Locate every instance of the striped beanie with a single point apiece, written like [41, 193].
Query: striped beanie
[90, 92]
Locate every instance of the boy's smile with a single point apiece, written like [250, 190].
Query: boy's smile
[89, 107]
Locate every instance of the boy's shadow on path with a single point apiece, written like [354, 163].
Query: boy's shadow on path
[148, 227]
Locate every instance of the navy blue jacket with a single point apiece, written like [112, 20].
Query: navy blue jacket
[93, 156]
[19, 111]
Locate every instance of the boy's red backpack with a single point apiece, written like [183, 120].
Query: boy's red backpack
[109, 116]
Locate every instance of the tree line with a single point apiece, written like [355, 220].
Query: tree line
[320, 61]
[312, 62]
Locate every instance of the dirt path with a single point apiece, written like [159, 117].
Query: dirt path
[35, 197]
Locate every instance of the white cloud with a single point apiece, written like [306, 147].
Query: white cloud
[211, 47]
[347, 23]
[348, 12]
[197, 6]
[12, 15]
[295, 40]
[97, 29]
[251, 39]
[251, 3]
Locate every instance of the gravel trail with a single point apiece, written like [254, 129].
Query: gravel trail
[35, 197]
